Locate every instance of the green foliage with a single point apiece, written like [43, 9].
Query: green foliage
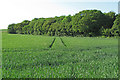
[107, 33]
[116, 26]
[84, 23]
[109, 19]
[11, 28]
[67, 19]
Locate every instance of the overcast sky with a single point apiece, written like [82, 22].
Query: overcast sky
[15, 11]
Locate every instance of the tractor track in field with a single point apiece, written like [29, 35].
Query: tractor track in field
[52, 43]
[63, 42]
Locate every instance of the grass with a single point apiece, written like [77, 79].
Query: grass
[3, 29]
[17, 41]
[28, 56]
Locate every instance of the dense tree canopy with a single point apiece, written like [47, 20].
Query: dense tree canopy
[84, 23]
[116, 26]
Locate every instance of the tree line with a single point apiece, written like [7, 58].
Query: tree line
[85, 23]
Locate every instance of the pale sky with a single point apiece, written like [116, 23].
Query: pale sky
[15, 11]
